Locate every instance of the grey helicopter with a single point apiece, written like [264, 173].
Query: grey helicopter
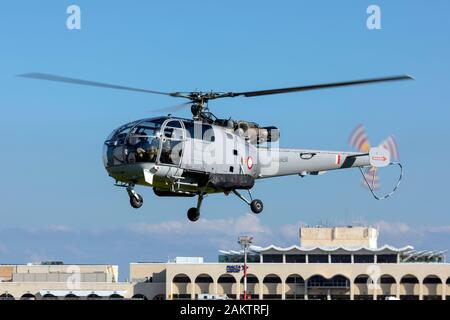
[205, 155]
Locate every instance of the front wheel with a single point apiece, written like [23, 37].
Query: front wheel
[136, 202]
[256, 206]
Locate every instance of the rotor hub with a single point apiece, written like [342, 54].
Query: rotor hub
[196, 109]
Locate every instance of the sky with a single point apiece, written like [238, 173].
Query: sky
[57, 201]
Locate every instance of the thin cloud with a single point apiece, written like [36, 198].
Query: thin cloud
[392, 227]
[210, 235]
[396, 228]
[59, 228]
[440, 229]
[230, 226]
[291, 231]
[422, 237]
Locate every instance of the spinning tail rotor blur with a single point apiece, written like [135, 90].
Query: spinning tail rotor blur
[359, 140]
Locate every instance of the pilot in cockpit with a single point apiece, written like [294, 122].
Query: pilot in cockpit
[146, 150]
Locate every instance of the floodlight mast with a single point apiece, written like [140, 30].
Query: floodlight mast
[245, 242]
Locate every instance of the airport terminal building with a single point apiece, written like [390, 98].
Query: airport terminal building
[329, 263]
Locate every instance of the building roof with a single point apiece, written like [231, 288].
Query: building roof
[273, 249]
[427, 254]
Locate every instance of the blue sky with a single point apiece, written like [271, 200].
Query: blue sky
[57, 201]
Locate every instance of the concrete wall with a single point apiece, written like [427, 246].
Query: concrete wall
[60, 277]
[51, 273]
[339, 236]
[139, 272]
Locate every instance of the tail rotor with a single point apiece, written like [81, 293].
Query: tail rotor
[359, 140]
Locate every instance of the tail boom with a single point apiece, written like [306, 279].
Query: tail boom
[283, 162]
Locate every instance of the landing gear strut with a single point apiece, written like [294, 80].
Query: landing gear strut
[256, 205]
[193, 213]
[136, 199]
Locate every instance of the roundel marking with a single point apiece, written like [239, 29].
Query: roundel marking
[249, 163]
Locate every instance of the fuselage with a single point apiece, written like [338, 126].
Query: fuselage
[176, 147]
[183, 156]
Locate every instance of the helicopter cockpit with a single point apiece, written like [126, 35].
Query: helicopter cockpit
[140, 141]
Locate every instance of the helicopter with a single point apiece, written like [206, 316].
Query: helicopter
[205, 155]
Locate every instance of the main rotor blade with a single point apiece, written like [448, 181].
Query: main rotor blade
[317, 86]
[51, 77]
[174, 108]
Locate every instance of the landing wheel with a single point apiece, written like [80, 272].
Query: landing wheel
[256, 206]
[136, 201]
[193, 214]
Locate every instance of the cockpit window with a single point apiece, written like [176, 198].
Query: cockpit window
[118, 135]
[144, 129]
[198, 130]
[172, 143]
[143, 141]
[134, 142]
[173, 130]
[150, 128]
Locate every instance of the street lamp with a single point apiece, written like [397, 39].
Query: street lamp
[245, 242]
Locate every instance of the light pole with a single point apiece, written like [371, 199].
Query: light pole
[245, 242]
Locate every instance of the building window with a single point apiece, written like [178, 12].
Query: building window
[272, 258]
[181, 279]
[295, 296]
[362, 279]
[363, 297]
[225, 258]
[253, 258]
[203, 279]
[227, 279]
[250, 279]
[363, 258]
[295, 258]
[318, 258]
[340, 297]
[238, 258]
[335, 282]
[317, 297]
[272, 279]
[387, 280]
[409, 279]
[272, 296]
[341, 258]
[387, 258]
[432, 280]
[295, 279]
